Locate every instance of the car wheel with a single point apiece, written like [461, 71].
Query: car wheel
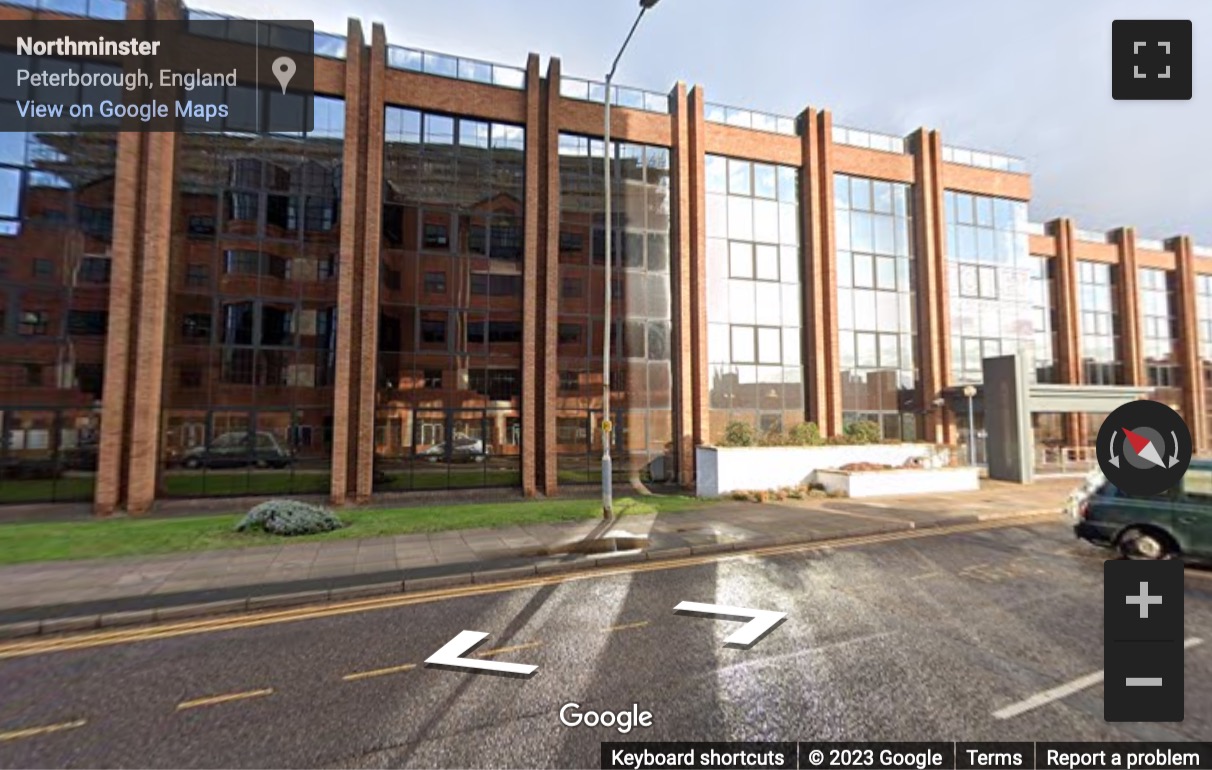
[193, 463]
[1145, 545]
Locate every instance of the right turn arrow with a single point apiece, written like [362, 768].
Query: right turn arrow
[761, 622]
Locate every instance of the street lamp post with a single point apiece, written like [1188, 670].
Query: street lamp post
[607, 427]
[969, 393]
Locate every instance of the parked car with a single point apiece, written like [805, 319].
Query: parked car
[235, 450]
[1175, 523]
[464, 450]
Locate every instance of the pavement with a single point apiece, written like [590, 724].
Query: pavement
[991, 633]
[56, 597]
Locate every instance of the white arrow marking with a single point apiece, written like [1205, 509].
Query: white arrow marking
[1114, 457]
[1166, 46]
[761, 622]
[1174, 457]
[450, 656]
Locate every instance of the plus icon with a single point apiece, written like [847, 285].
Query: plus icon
[1144, 600]
[1151, 59]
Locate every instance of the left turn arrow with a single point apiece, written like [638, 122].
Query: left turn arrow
[450, 657]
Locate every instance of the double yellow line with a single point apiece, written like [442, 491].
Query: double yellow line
[88, 640]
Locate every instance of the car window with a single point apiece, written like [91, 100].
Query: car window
[266, 441]
[1197, 485]
[229, 440]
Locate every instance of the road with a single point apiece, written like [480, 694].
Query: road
[917, 636]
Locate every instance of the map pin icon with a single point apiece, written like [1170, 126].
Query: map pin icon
[284, 70]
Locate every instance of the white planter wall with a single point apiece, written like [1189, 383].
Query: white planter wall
[899, 482]
[720, 470]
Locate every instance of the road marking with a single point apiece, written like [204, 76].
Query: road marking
[1065, 690]
[503, 650]
[627, 626]
[378, 672]
[30, 732]
[217, 699]
[41, 646]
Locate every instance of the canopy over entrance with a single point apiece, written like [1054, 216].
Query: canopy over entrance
[1010, 398]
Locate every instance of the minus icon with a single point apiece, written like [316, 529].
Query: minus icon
[1144, 681]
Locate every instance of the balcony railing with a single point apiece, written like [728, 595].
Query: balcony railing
[870, 140]
[93, 9]
[1037, 228]
[1153, 244]
[981, 159]
[457, 67]
[1090, 236]
[623, 96]
[758, 121]
[279, 35]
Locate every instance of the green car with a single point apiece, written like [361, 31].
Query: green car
[1176, 523]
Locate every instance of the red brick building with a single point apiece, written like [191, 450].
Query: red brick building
[411, 296]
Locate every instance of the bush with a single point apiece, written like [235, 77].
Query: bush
[739, 434]
[863, 432]
[774, 437]
[806, 434]
[289, 517]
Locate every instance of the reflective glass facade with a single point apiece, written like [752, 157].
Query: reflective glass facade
[989, 268]
[1159, 331]
[641, 332]
[449, 379]
[754, 340]
[1203, 314]
[1043, 315]
[1098, 324]
[877, 322]
[252, 312]
[56, 223]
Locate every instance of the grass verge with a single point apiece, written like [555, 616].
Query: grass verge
[57, 541]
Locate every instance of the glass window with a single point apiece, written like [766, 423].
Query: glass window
[764, 181]
[717, 174]
[738, 177]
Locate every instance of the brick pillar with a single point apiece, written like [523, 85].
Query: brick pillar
[120, 331]
[531, 317]
[697, 219]
[818, 280]
[1128, 300]
[1068, 345]
[353, 197]
[110, 483]
[682, 266]
[366, 283]
[1194, 402]
[155, 259]
[933, 313]
[548, 132]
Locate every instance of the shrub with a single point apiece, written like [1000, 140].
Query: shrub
[863, 432]
[289, 517]
[806, 434]
[774, 438]
[739, 434]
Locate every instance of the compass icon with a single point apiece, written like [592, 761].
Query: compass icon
[1144, 448]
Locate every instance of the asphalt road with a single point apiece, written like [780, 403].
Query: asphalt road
[921, 638]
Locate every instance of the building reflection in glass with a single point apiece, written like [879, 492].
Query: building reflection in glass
[641, 337]
[449, 376]
[248, 396]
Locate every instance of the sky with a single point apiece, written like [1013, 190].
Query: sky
[1029, 78]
